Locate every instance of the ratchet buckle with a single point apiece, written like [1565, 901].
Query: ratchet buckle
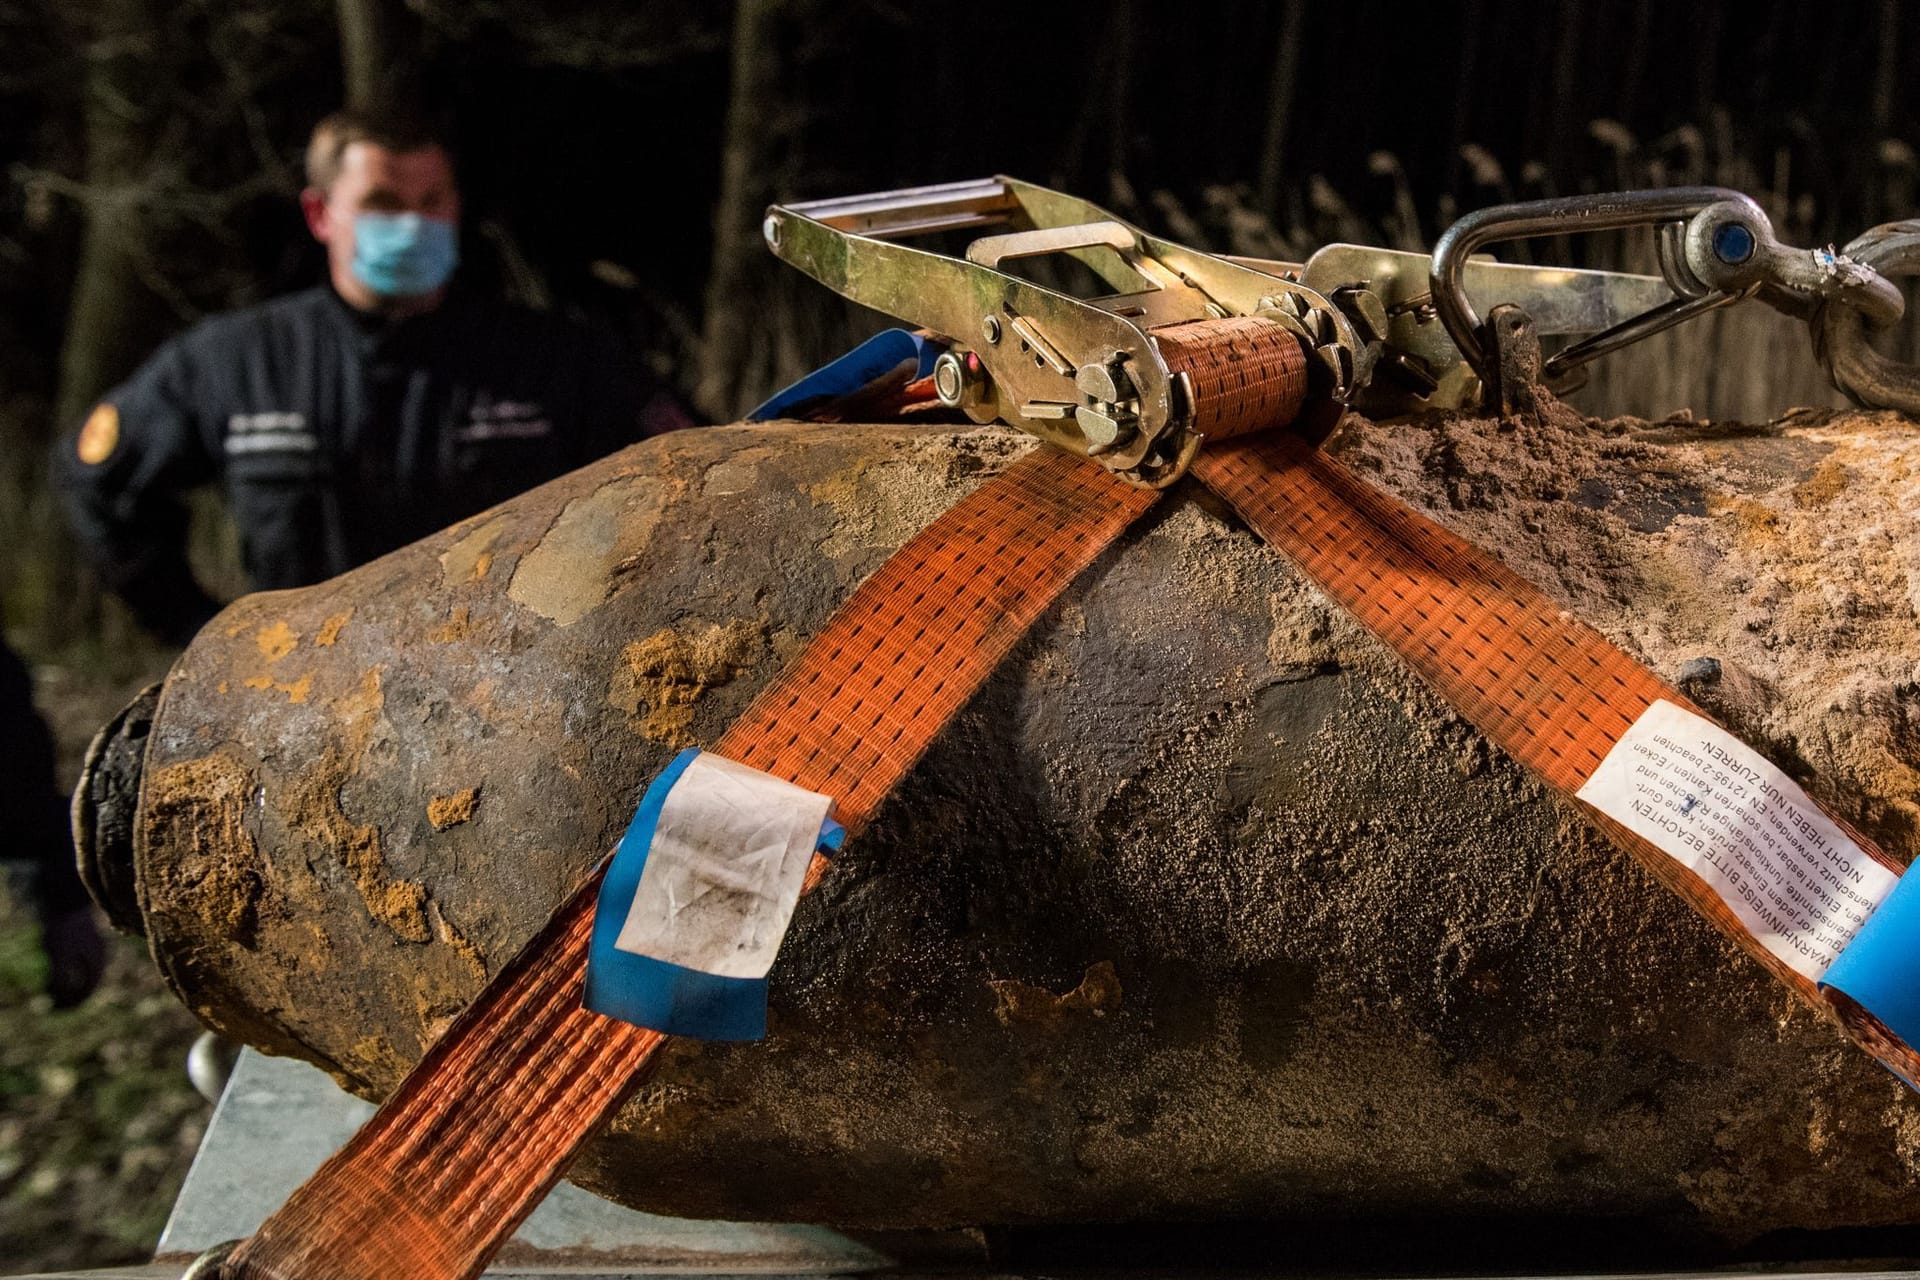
[1386, 332]
[1081, 373]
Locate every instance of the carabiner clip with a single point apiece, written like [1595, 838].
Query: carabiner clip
[1715, 247]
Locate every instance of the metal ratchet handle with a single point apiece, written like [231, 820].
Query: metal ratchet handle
[1019, 346]
[946, 206]
[1715, 247]
[915, 211]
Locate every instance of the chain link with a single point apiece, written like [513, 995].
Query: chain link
[1842, 333]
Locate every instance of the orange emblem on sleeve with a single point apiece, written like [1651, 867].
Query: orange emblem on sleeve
[100, 434]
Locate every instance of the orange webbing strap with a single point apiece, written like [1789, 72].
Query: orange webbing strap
[1245, 373]
[488, 1120]
[1551, 691]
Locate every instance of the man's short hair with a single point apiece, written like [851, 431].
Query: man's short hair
[394, 131]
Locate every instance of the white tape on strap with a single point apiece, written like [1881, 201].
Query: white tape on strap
[724, 871]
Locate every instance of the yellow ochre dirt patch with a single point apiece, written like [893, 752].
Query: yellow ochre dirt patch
[1097, 994]
[296, 690]
[1826, 483]
[215, 873]
[276, 641]
[659, 679]
[451, 811]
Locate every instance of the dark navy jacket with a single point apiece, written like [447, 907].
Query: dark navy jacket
[337, 437]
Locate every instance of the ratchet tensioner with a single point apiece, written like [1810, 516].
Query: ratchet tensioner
[1384, 331]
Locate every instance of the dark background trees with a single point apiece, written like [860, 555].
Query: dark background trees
[617, 157]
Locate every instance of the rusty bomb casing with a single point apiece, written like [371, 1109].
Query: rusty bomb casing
[1204, 908]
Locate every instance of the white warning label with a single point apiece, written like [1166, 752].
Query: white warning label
[1797, 882]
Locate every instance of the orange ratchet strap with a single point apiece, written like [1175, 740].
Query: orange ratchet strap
[489, 1119]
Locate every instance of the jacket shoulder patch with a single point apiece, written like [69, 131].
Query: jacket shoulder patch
[100, 436]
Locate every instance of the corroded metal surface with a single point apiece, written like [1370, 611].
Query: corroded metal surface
[105, 804]
[1201, 909]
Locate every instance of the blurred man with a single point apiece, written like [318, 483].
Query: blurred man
[353, 418]
[33, 830]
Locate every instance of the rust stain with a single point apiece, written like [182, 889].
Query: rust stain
[276, 641]
[313, 809]
[450, 811]
[197, 808]
[296, 690]
[444, 930]
[659, 679]
[330, 629]
[1098, 994]
[469, 558]
[456, 627]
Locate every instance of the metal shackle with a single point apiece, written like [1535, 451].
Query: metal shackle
[1729, 247]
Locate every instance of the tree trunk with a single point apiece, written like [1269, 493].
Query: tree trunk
[1466, 86]
[380, 53]
[1125, 17]
[1286, 62]
[114, 317]
[1886, 75]
[737, 247]
[765, 323]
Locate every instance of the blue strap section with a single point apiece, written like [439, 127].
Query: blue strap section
[1880, 968]
[652, 993]
[870, 361]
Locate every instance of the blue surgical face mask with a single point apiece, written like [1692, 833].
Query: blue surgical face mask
[403, 255]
